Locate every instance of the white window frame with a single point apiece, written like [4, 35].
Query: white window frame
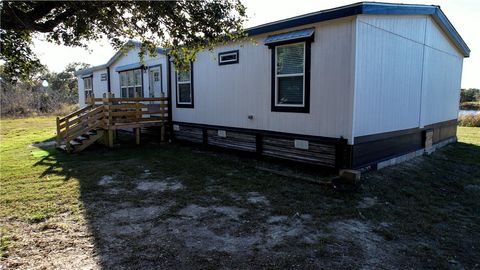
[88, 91]
[290, 75]
[133, 85]
[230, 61]
[178, 88]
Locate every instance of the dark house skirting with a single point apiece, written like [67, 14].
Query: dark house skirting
[323, 151]
[371, 149]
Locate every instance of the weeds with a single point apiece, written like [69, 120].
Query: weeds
[469, 120]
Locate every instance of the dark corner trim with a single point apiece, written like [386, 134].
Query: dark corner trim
[191, 105]
[306, 107]
[228, 52]
[109, 87]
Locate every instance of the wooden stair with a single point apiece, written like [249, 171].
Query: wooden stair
[102, 117]
[82, 141]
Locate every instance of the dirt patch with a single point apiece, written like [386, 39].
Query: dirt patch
[160, 186]
[45, 144]
[60, 243]
[367, 202]
[106, 180]
[257, 198]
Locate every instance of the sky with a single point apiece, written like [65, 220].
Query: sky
[463, 14]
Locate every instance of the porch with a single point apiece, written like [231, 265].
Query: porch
[102, 117]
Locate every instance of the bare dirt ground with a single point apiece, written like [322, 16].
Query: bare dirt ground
[186, 208]
[140, 223]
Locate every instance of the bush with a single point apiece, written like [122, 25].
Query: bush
[474, 105]
[28, 96]
[469, 120]
[468, 95]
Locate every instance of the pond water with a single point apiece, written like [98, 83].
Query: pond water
[466, 112]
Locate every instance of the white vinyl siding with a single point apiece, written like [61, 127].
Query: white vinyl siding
[184, 87]
[290, 75]
[407, 74]
[131, 83]
[227, 96]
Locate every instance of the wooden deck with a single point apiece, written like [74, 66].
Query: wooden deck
[99, 120]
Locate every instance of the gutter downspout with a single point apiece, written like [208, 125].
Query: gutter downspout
[169, 97]
[109, 90]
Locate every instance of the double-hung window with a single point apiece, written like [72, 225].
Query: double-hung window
[290, 75]
[185, 88]
[291, 70]
[88, 87]
[131, 83]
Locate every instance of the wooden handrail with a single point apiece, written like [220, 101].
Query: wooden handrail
[109, 113]
[75, 113]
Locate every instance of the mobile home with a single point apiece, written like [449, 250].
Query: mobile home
[360, 86]
[125, 75]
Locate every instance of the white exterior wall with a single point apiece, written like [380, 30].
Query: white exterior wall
[81, 93]
[226, 95]
[99, 87]
[131, 58]
[442, 75]
[407, 74]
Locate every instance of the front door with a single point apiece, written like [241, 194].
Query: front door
[156, 89]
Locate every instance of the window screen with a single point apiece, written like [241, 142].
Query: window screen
[290, 74]
[184, 87]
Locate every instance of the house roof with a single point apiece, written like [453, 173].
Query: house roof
[117, 55]
[367, 8]
[376, 8]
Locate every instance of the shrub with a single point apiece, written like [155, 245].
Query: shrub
[473, 105]
[469, 120]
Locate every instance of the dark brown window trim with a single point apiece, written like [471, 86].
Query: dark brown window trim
[191, 105]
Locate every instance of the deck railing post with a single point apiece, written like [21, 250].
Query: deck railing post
[58, 132]
[108, 109]
[67, 125]
[137, 119]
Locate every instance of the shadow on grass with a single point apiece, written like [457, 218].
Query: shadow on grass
[175, 206]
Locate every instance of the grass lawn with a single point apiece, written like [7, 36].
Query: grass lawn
[164, 206]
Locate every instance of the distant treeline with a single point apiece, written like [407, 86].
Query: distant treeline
[43, 92]
[470, 99]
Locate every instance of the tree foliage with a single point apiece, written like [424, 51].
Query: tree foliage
[185, 27]
[469, 95]
[29, 96]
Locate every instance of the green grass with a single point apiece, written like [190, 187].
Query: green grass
[427, 202]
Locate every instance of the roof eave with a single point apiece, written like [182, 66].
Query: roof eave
[366, 8]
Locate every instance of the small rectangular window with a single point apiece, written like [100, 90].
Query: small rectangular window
[103, 77]
[227, 58]
[185, 88]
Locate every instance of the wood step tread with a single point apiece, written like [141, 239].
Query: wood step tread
[62, 147]
[75, 143]
[82, 138]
